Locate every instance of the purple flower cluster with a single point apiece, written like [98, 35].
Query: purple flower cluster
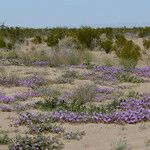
[128, 116]
[26, 95]
[39, 128]
[135, 104]
[6, 108]
[31, 118]
[31, 81]
[143, 72]
[6, 99]
[104, 90]
[132, 111]
[108, 69]
[20, 96]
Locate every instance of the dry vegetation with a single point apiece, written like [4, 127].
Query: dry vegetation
[85, 89]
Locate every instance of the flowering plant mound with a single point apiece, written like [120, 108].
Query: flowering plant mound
[45, 127]
[31, 81]
[6, 99]
[74, 135]
[130, 111]
[35, 143]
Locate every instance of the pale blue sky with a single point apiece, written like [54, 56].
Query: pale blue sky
[74, 13]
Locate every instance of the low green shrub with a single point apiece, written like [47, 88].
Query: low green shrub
[107, 45]
[129, 78]
[37, 40]
[4, 139]
[129, 55]
[32, 143]
[146, 44]
[2, 43]
[86, 35]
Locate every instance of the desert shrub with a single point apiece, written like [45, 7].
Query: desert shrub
[84, 93]
[11, 54]
[32, 143]
[68, 57]
[78, 106]
[108, 62]
[55, 35]
[4, 139]
[74, 57]
[87, 57]
[37, 40]
[45, 128]
[129, 78]
[56, 104]
[30, 57]
[74, 135]
[8, 78]
[70, 74]
[146, 44]
[129, 55]
[133, 94]
[86, 35]
[109, 32]
[69, 43]
[10, 45]
[49, 104]
[2, 43]
[120, 40]
[47, 92]
[107, 45]
[52, 40]
[67, 77]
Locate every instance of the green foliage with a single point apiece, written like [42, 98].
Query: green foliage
[74, 135]
[67, 77]
[133, 94]
[120, 40]
[4, 139]
[55, 35]
[121, 145]
[11, 54]
[129, 78]
[109, 33]
[2, 43]
[76, 106]
[45, 128]
[52, 40]
[146, 44]
[107, 45]
[86, 35]
[37, 40]
[143, 32]
[10, 45]
[31, 143]
[129, 54]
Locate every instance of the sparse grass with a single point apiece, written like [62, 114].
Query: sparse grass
[8, 79]
[67, 77]
[121, 145]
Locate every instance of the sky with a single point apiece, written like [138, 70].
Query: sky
[75, 13]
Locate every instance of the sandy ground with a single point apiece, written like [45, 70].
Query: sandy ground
[98, 136]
